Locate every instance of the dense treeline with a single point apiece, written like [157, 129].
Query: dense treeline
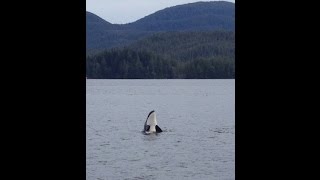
[130, 64]
[168, 55]
[126, 63]
[189, 45]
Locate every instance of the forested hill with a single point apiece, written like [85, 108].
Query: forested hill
[185, 46]
[215, 15]
[199, 16]
[168, 55]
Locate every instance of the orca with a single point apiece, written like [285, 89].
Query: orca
[151, 125]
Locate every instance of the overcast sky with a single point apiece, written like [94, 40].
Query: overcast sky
[125, 11]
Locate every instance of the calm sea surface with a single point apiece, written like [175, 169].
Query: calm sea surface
[197, 117]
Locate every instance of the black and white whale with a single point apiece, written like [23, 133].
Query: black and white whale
[151, 125]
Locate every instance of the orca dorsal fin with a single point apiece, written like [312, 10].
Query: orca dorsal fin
[158, 129]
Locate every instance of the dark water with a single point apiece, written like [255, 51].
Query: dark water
[197, 117]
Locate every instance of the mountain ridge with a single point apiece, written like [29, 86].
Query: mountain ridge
[198, 16]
